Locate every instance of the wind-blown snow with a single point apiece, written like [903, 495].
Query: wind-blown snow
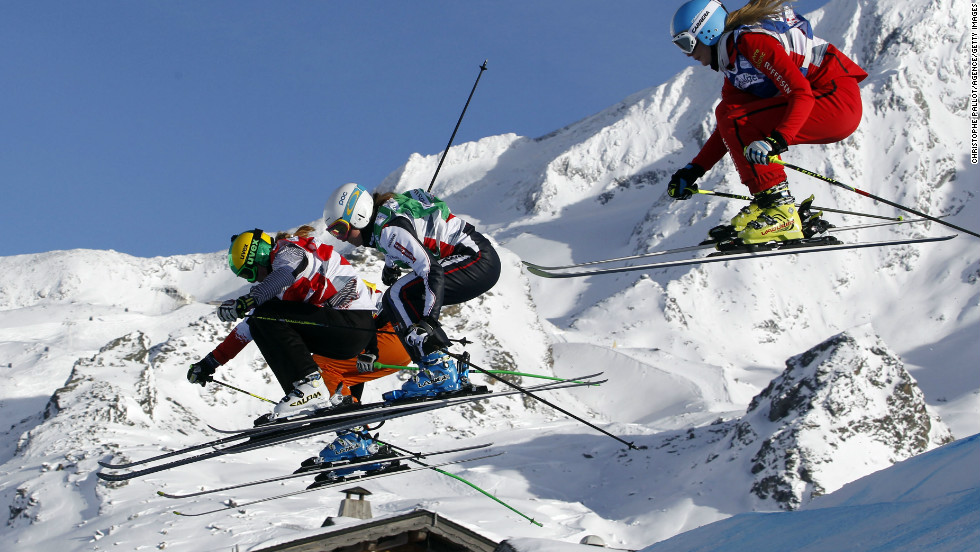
[734, 380]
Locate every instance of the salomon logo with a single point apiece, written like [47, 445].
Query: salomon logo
[305, 399]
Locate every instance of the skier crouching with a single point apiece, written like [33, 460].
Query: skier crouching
[449, 261]
[347, 375]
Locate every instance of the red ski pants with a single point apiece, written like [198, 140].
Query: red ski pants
[835, 115]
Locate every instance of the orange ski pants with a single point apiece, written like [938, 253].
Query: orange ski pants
[336, 372]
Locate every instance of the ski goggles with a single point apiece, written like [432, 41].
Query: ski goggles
[339, 229]
[685, 41]
[248, 272]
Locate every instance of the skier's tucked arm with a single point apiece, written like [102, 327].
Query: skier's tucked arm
[288, 262]
[402, 244]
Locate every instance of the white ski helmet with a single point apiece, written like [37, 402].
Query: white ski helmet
[350, 206]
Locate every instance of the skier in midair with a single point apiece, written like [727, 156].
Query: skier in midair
[450, 262]
[307, 300]
[783, 86]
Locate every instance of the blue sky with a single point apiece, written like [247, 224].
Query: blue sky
[163, 127]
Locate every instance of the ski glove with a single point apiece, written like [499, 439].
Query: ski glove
[758, 152]
[202, 371]
[682, 184]
[365, 362]
[233, 309]
[390, 275]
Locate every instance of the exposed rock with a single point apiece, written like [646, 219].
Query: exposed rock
[841, 410]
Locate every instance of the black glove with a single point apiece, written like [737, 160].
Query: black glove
[390, 275]
[682, 184]
[201, 372]
[365, 362]
[760, 151]
[233, 309]
[425, 336]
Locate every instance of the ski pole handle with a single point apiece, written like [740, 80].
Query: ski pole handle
[778, 161]
[453, 137]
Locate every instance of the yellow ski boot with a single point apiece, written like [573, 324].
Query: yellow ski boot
[776, 217]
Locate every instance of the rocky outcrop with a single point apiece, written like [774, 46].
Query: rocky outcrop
[843, 409]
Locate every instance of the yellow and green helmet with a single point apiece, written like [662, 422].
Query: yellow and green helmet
[248, 251]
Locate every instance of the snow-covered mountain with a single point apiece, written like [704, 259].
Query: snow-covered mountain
[747, 386]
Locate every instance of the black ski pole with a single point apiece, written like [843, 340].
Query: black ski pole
[463, 358]
[812, 207]
[774, 159]
[453, 137]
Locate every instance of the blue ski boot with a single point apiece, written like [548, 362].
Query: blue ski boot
[352, 445]
[437, 374]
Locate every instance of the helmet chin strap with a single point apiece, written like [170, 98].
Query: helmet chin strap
[714, 55]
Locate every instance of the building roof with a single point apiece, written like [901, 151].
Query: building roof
[417, 531]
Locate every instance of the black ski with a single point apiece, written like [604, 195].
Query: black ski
[328, 467]
[307, 428]
[360, 409]
[343, 481]
[776, 248]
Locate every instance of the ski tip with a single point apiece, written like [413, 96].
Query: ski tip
[537, 271]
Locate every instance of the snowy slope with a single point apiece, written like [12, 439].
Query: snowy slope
[929, 502]
[94, 344]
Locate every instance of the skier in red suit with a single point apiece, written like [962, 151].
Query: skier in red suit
[783, 86]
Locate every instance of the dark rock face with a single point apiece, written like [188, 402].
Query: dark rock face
[845, 408]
